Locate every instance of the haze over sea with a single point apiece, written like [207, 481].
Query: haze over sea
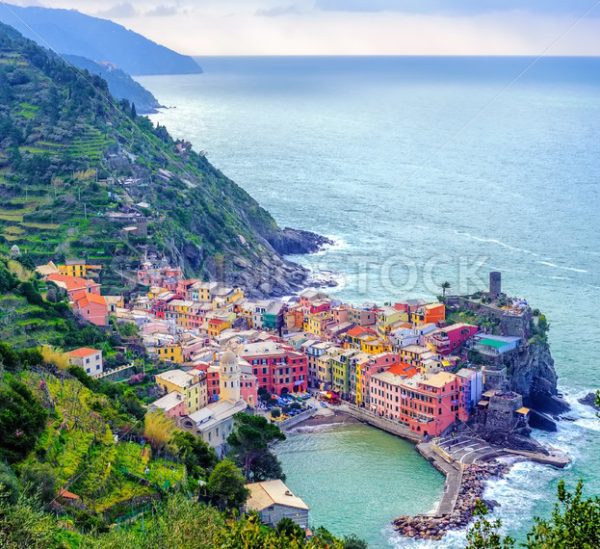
[442, 164]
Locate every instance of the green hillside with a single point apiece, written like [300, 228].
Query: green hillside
[77, 168]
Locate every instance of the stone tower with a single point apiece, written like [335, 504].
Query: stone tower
[495, 284]
[229, 377]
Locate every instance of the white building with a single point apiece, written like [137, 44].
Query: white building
[273, 501]
[88, 359]
[214, 422]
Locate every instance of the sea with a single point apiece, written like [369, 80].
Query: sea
[421, 170]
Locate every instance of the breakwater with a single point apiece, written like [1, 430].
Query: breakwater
[455, 511]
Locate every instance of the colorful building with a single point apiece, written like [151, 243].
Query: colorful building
[91, 307]
[190, 385]
[317, 323]
[90, 360]
[430, 404]
[78, 268]
[449, 339]
[169, 352]
[278, 368]
[432, 313]
[385, 390]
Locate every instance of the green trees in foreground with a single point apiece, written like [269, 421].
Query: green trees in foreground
[574, 524]
[249, 442]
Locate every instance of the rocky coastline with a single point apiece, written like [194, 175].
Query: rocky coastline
[472, 486]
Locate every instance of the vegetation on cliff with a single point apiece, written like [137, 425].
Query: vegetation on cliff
[84, 176]
[120, 84]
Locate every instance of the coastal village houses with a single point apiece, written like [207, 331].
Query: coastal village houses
[217, 349]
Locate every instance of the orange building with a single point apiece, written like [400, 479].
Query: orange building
[432, 313]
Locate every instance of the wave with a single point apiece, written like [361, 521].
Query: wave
[497, 242]
[337, 244]
[555, 266]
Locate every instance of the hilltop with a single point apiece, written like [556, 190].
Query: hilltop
[82, 175]
[120, 84]
[72, 32]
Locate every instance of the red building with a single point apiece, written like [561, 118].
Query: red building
[278, 368]
[447, 340]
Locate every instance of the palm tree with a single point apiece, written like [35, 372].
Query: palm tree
[445, 286]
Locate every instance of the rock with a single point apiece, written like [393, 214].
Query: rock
[589, 400]
[290, 241]
[539, 420]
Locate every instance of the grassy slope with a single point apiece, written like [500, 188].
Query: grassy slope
[63, 132]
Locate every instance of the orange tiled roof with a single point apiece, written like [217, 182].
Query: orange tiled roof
[67, 495]
[402, 369]
[358, 331]
[83, 300]
[71, 283]
[82, 352]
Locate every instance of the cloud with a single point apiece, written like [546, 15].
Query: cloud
[119, 11]
[277, 11]
[457, 7]
[163, 11]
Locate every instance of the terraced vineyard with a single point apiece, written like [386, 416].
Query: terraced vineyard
[87, 458]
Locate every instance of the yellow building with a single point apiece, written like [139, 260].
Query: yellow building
[374, 346]
[192, 387]
[78, 268]
[315, 323]
[170, 353]
[388, 317]
[216, 326]
[324, 371]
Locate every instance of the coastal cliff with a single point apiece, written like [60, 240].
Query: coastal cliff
[83, 176]
[532, 374]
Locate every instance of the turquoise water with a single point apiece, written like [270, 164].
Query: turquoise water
[450, 167]
[354, 479]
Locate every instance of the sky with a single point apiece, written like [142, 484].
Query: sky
[356, 27]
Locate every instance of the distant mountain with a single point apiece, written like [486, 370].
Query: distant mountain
[71, 32]
[120, 84]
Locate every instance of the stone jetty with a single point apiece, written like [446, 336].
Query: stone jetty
[471, 488]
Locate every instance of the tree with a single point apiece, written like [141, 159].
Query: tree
[575, 522]
[39, 481]
[445, 286]
[485, 534]
[22, 420]
[354, 542]
[287, 528]
[226, 486]
[158, 429]
[249, 443]
[197, 456]
[9, 484]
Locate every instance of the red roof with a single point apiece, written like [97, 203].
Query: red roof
[358, 331]
[71, 283]
[82, 352]
[216, 321]
[402, 369]
[67, 495]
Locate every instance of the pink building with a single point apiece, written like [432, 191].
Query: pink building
[385, 388]
[248, 384]
[277, 367]
[368, 367]
[92, 307]
[429, 404]
[449, 339]
[172, 404]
